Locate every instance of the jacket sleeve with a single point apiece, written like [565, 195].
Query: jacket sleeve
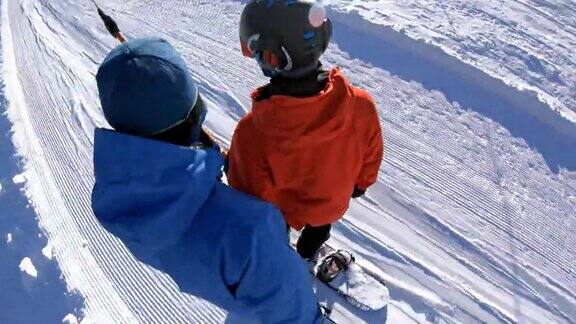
[247, 168]
[374, 150]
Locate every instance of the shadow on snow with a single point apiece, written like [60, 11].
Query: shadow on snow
[24, 299]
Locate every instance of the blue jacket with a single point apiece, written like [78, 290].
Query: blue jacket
[166, 204]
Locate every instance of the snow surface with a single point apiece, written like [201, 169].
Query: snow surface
[28, 267]
[70, 319]
[528, 44]
[19, 179]
[48, 251]
[23, 298]
[472, 219]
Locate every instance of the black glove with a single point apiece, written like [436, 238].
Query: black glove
[111, 25]
[358, 193]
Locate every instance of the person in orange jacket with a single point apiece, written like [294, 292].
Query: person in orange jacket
[312, 140]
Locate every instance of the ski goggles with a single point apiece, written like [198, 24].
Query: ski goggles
[270, 62]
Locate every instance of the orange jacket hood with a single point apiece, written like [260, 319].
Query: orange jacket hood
[324, 114]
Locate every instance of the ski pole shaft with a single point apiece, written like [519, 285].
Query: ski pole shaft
[110, 24]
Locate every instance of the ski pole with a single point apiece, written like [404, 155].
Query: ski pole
[110, 24]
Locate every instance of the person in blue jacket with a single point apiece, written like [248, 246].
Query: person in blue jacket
[158, 189]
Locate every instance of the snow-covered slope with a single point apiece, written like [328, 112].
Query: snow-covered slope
[528, 44]
[29, 276]
[473, 215]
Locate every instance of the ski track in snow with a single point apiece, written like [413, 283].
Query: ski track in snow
[32, 287]
[472, 218]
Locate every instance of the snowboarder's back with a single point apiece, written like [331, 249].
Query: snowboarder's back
[307, 155]
[312, 140]
[157, 189]
[168, 207]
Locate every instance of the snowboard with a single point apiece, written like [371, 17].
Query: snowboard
[353, 296]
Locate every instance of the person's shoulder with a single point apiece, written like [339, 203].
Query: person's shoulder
[361, 97]
[245, 125]
[246, 136]
[364, 105]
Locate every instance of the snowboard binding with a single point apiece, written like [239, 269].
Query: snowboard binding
[334, 264]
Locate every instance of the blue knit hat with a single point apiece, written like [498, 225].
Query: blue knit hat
[145, 87]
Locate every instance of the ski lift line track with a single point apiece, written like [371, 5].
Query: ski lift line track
[391, 153]
[423, 171]
[460, 243]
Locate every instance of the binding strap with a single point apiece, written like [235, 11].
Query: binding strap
[333, 265]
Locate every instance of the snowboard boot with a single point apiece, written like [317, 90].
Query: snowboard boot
[333, 264]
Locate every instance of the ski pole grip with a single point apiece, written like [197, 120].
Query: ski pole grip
[110, 24]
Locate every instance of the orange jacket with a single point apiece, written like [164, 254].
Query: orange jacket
[306, 155]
